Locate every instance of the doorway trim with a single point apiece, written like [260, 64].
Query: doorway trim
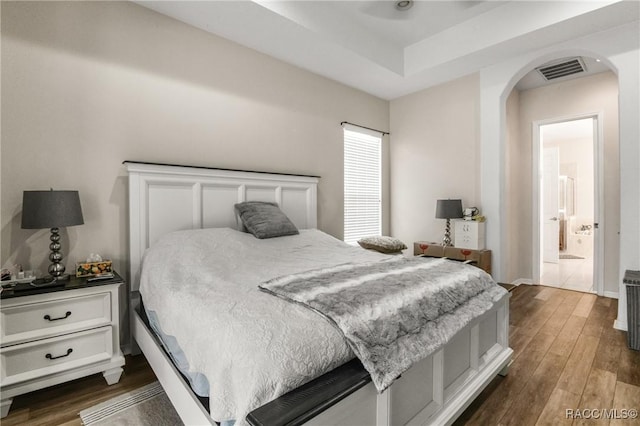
[598, 160]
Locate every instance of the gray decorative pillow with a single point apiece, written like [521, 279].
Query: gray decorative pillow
[265, 220]
[382, 244]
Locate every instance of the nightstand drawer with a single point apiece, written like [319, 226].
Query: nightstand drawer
[470, 234]
[49, 356]
[30, 321]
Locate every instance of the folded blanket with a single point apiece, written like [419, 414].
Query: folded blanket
[396, 312]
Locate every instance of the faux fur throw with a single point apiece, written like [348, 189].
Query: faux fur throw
[396, 312]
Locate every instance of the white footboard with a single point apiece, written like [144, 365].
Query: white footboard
[438, 389]
[433, 392]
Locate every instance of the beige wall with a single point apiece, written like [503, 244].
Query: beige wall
[517, 186]
[592, 94]
[87, 85]
[434, 155]
[435, 150]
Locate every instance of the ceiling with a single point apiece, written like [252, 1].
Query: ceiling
[372, 46]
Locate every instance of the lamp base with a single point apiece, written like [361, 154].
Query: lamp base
[446, 241]
[63, 277]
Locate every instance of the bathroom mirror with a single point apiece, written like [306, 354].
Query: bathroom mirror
[566, 196]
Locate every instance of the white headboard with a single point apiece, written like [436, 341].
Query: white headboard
[166, 198]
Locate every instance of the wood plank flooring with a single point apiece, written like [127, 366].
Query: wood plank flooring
[60, 405]
[566, 356]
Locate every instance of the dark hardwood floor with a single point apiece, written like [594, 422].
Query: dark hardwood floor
[60, 405]
[567, 356]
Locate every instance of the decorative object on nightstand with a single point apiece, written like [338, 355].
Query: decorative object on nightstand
[50, 335]
[52, 209]
[470, 212]
[448, 209]
[94, 266]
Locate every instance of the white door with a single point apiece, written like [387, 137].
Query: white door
[550, 216]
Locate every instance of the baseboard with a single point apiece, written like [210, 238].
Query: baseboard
[619, 325]
[519, 281]
[611, 294]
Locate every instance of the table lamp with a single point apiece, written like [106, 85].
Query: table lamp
[448, 209]
[52, 209]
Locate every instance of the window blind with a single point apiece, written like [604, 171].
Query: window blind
[362, 185]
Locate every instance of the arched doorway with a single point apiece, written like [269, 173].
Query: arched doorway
[496, 82]
[533, 108]
[539, 231]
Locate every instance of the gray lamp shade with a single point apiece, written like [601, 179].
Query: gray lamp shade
[51, 209]
[449, 209]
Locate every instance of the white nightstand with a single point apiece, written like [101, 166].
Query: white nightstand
[50, 336]
[469, 234]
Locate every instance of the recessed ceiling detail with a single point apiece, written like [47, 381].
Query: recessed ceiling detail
[404, 4]
[562, 69]
[374, 47]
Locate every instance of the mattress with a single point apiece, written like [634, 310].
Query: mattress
[198, 381]
[242, 346]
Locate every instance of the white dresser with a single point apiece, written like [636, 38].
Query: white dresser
[469, 234]
[59, 335]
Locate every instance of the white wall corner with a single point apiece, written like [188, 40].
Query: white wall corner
[620, 325]
[611, 294]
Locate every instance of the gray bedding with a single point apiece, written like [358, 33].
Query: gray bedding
[396, 312]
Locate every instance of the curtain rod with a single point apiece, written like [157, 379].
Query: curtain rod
[363, 127]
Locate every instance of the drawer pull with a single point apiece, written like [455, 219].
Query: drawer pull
[51, 357]
[48, 318]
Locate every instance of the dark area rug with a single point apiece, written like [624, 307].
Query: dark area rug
[146, 406]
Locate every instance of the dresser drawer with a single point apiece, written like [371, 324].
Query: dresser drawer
[469, 234]
[29, 321]
[48, 356]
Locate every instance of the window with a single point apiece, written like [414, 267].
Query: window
[362, 185]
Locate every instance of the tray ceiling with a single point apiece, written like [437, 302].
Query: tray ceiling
[372, 46]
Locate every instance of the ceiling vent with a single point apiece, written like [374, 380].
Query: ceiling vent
[562, 69]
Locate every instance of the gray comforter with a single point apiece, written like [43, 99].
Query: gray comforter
[395, 312]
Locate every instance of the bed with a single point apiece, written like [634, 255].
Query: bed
[164, 199]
